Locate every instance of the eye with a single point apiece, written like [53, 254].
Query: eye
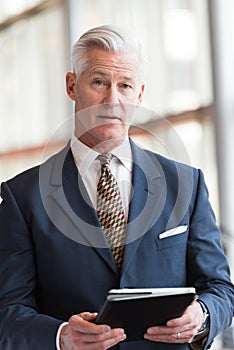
[126, 86]
[98, 82]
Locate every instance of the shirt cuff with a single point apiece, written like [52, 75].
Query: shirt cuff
[58, 335]
[200, 339]
[198, 345]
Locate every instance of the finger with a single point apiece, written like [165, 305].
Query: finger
[88, 316]
[112, 342]
[185, 319]
[169, 338]
[79, 324]
[170, 335]
[189, 320]
[193, 311]
[109, 343]
[165, 330]
[98, 338]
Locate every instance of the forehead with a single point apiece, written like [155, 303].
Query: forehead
[109, 61]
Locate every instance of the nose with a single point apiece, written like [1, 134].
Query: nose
[111, 95]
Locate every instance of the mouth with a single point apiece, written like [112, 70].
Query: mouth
[109, 118]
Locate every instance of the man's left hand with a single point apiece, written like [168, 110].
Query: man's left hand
[178, 330]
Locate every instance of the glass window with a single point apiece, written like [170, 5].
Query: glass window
[32, 70]
[33, 64]
[11, 8]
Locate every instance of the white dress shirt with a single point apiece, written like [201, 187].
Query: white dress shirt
[89, 168]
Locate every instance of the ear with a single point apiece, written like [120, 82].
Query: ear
[140, 97]
[71, 85]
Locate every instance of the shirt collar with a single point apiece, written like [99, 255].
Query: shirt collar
[84, 156]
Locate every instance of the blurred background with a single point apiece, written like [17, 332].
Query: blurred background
[188, 108]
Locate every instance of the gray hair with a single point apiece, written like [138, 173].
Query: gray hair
[107, 37]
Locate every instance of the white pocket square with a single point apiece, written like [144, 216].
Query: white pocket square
[174, 231]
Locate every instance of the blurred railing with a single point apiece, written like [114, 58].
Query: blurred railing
[16, 160]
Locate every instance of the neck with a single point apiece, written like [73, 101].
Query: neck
[103, 146]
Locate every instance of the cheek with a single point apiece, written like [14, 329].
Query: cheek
[87, 99]
[131, 100]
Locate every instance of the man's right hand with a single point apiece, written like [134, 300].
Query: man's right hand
[82, 334]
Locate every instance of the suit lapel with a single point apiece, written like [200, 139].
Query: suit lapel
[69, 207]
[149, 196]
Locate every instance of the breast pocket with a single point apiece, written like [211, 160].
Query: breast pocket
[169, 239]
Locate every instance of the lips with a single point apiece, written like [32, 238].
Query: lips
[109, 117]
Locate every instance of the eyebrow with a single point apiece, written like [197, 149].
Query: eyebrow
[99, 73]
[103, 74]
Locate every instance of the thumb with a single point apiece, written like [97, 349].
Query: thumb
[88, 316]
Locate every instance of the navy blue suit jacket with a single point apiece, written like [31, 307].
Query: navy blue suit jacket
[55, 260]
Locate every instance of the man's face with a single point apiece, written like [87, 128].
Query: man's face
[104, 95]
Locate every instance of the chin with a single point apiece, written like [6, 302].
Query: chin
[104, 136]
[110, 132]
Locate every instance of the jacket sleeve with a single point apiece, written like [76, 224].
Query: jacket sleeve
[21, 324]
[208, 268]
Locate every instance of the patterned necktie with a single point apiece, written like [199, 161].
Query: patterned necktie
[110, 209]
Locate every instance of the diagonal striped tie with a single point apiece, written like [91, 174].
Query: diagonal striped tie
[110, 209]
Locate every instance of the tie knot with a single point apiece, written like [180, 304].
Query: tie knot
[105, 158]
